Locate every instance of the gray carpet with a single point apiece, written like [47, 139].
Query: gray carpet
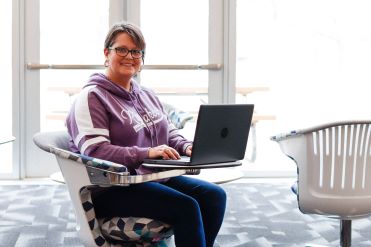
[258, 214]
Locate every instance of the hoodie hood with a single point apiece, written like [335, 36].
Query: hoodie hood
[99, 79]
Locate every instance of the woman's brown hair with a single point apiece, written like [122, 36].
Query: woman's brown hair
[132, 30]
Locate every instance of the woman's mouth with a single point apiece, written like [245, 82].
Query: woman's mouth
[127, 64]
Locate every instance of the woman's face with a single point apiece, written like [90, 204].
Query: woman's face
[122, 69]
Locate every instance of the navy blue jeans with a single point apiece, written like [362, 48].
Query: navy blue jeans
[195, 208]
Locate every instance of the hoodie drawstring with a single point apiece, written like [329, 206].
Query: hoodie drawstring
[150, 119]
[148, 127]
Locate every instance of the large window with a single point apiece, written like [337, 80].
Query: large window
[57, 33]
[315, 56]
[312, 56]
[176, 34]
[6, 87]
[78, 39]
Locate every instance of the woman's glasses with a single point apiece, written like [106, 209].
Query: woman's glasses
[123, 52]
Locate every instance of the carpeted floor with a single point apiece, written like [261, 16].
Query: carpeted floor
[258, 214]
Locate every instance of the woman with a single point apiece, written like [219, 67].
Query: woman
[114, 118]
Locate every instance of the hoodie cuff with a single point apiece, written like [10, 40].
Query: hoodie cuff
[142, 154]
[185, 147]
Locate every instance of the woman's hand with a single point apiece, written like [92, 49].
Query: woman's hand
[189, 151]
[164, 151]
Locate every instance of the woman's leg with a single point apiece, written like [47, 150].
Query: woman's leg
[156, 201]
[210, 197]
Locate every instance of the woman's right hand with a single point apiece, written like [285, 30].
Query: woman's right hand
[164, 151]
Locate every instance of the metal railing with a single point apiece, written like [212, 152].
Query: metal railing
[36, 66]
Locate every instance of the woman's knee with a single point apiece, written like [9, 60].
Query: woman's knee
[189, 205]
[216, 195]
[221, 194]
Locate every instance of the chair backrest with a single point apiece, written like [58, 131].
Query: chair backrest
[75, 176]
[57, 139]
[334, 168]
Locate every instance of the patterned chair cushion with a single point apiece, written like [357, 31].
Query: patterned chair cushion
[139, 231]
[134, 229]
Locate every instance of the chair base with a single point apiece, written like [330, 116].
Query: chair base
[345, 233]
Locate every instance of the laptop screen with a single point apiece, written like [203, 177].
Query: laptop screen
[221, 133]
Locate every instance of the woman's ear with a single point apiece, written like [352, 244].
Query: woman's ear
[106, 62]
[106, 51]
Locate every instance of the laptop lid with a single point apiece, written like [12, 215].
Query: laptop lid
[221, 133]
[220, 137]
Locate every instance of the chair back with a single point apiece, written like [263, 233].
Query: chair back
[334, 168]
[58, 139]
[75, 177]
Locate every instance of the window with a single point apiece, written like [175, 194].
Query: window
[178, 35]
[6, 150]
[64, 41]
[315, 56]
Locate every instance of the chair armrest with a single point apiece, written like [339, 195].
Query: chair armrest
[334, 124]
[304, 131]
[89, 161]
[103, 172]
[284, 136]
[102, 177]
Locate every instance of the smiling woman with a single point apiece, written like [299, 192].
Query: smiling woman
[115, 118]
[123, 49]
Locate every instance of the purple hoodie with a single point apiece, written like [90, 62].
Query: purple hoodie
[108, 122]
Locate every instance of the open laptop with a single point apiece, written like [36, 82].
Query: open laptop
[220, 138]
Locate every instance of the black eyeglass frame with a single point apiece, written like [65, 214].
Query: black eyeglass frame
[128, 51]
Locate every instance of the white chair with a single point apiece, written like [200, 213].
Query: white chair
[334, 170]
[83, 174]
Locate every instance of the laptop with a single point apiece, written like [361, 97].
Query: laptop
[220, 138]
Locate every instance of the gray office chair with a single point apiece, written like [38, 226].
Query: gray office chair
[334, 170]
[178, 117]
[83, 174]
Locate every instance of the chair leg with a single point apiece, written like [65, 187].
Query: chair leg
[345, 233]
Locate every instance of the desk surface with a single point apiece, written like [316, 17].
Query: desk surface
[218, 176]
[192, 167]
